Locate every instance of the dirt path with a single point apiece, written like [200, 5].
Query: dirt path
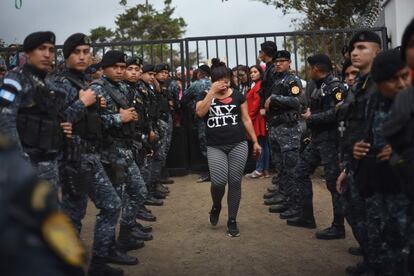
[185, 244]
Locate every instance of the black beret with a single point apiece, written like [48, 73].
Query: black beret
[148, 68]
[74, 41]
[93, 68]
[283, 54]
[364, 36]
[163, 66]
[205, 68]
[269, 48]
[386, 64]
[320, 59]
[112, 57]
[34, 40]
[134, 61]
[408, 32]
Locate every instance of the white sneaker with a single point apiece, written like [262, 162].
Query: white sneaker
[255, 174]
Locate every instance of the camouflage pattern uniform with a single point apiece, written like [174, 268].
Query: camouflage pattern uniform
[92, 179]
[398, 131]
[29, 102]
[353, 113]
[284, 130]
[190, 98]
[323, 147]
[117, 153]
[386, 205]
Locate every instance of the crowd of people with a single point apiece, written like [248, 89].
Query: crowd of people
[102, 131]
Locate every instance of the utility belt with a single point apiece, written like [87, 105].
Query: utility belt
[289, 118]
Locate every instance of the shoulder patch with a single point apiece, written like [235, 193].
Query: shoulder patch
[295, 90]
[338, 96]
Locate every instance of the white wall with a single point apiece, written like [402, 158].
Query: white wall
[398, 13]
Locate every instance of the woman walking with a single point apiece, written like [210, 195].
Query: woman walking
[226, 115]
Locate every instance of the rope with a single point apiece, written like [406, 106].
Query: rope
[18, 4]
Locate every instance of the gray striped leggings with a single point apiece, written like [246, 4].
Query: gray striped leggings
[226, 164]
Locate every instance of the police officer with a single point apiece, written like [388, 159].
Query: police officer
[203, 83]
[283, 113]
[321, 119]
[132, 75]
[152, 140]
[81, 170]
[31, 109]
[118, 120]
[35, 238]
[364, 46]
[399, 133]
[386, 205]
[165, 122]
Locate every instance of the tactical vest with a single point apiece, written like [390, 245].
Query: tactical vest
[90, 126]
[138, 102]
[127, 130]
[162, 102]
[282, 115]
[38, 120]
[320, 101]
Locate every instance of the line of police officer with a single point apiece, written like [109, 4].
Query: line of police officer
[106, 140]
[374, 149]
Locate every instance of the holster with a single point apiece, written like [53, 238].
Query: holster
[116, 173]
[76, 181]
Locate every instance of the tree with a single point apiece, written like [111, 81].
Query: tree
[329, 14]
[101, 34]
[144, 22]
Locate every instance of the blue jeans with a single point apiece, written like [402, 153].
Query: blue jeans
[262, 163]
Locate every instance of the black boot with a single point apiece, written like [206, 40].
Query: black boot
[355, 251]
[146, 216]
[331, 233]
[167, 181]
[118, 257]
[269, 194]
[305, 219]
[277, 199]
[161, 188]
[126, 241]
[292, 212]
[98, 267]
[152, 201]
[144, 228]
[278, 208]
[138, 234]
[273, 188]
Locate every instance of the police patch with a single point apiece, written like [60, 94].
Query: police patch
[338, 96]
[295, 90]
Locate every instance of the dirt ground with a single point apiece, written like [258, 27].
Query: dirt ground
[185, 243]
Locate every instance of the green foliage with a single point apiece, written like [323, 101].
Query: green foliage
[101, 34]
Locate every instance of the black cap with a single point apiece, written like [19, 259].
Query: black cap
[408, 32]
[386, 64]
[34, 40]
[269, 48]
[134, 61]
[205, 68]
[148, 68]
[112, 57]
[93, 68]
[364, 36]
[283, 54]
[320, 59]
[74, 41]
[163, 66]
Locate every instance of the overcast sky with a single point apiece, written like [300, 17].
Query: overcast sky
[203, 17]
